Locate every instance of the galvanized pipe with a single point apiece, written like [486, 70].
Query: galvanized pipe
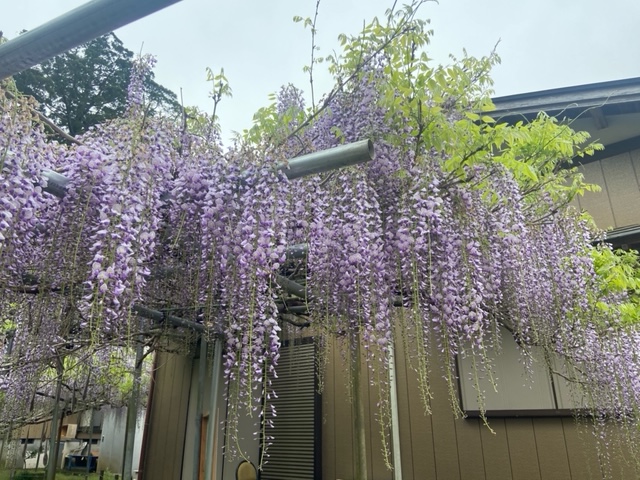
[312, 163]
[330, 159]
[297, 251]
[292, 288]
[56, 183]
[72, 29]
[159, 317]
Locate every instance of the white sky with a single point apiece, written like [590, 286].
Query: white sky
[543, 43]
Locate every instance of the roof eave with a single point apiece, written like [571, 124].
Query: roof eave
[575, 98]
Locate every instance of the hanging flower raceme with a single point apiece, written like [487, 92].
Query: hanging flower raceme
[113, 204]
[24, 153]
[440, 241]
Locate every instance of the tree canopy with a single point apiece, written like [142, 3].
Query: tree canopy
[88, 85]
[460, 226]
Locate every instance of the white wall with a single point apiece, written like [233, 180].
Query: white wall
[114, 422]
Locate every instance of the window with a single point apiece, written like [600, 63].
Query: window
[296, 426]
[525, 386]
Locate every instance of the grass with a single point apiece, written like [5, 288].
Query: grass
[62, 475]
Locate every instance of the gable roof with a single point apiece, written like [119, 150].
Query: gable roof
[609, 111]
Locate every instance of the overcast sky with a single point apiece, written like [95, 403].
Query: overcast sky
[543, 43]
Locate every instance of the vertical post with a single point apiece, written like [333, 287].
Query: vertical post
[5, 441]
[10, 337]
[132, 416]
[395, 426]
[55, 427]
[43, 436]
[89, 456]
[202, 367]
[24, 452]
[213, 402]
[357, 407]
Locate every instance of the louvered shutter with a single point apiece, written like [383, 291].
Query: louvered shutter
[295, 432]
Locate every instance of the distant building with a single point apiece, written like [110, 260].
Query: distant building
[101, 432]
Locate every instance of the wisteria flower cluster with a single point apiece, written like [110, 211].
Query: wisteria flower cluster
[443, 239]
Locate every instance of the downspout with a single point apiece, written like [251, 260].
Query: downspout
[202, 366]
[395, 426]
[213, 406]
[360, 440]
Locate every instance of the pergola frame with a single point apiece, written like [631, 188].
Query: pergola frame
[79, 26]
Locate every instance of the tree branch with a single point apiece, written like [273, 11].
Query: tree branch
[46, 121]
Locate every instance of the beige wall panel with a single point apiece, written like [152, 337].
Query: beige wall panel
[495, 447]
[343, 419]
[444, 439]
[620, 459]
[522, 449]
[403, 408]
[470, 449]
[444, 429]
[71, 419]
[597, 203]
[421, 443]
[552, 450]
[377, 467]
[34, 430]
[168, 418]
[624, 193]
[568, 396]
[581, 450]
[328, 420]
[158, 424]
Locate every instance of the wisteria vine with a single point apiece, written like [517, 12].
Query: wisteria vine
[447, 236]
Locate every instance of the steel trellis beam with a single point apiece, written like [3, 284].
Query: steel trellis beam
[81, 25]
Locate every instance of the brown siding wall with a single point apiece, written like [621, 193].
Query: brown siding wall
[167, 417]
[439, 446]
[617, 204]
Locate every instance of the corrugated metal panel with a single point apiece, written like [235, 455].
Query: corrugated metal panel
[292, 454]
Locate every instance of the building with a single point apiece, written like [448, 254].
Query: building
[536, 437]
[104, 429]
